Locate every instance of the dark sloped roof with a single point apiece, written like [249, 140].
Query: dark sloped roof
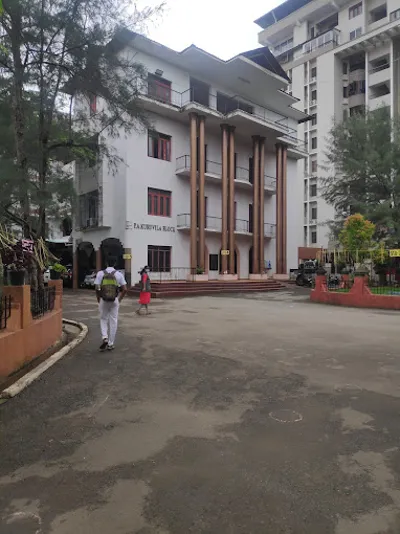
[264, 57]
[280, 12]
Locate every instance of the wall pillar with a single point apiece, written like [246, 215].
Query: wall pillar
[193, 191]
[284, 210]
[128, 267]
[224, 208]
[281, 209]
[256, 204]
[202, 203]
[278, 209]
[75, 266]
[262, 202]
[231, 201]
[99, 265]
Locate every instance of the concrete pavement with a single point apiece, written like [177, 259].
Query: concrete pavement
[218, 415]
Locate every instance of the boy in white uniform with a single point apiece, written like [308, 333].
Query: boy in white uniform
[110, 290]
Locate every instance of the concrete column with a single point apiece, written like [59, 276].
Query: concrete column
[231, 196]
[128, 267]
[75, 269]
[98, 260]
[284, 210]
[278, 209]
[224, 208]
[202, 203]
[193, 191]
[262, 195]
[256, 205]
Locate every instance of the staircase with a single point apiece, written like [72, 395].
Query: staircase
[211, 287]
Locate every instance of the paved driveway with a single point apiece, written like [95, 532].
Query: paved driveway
[217, 415]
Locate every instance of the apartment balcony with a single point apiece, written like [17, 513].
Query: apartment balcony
[379, 75]
[327, 40]
[213, 173]
[214, 225]
[248, 117]
[384, 100]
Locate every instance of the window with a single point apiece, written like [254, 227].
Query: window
[159, 146]
[345, 114]
[159, 259]
[314, 143]
[159, 88]
[159, 202]
[355, 10]
[345, 67]
[313, 213]
[313, 73]
[314, 166]
[314, 95]
[378, 13]
[345, 92]
[214, 262]
[251, 170]
[395, 15]
[250, 218]
[92, 103]
[89, 209]
[313, 190]
[313, 237]
[355, 33]
[314, 119]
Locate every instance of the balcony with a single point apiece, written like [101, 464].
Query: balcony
[232, 110]
[214, 225]
[379, 75]
[328, 39]
[213, 173]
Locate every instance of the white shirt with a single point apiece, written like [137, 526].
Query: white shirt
[118, 276]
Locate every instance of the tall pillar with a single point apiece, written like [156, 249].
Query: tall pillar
[98, 260]
[256, 204]
[202, 203]
[75, 268]
[284, 210]
[231, 197]
[193, 191]
[279, 228]
[262, 195]
[224, 207]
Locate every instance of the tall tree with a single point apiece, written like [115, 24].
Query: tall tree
[57, 59]
[363, 167]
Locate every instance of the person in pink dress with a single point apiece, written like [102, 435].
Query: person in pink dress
[145, 290]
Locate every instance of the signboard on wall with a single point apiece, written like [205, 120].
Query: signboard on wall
[127, 256]
[224, 252]
[153, 227]
[394, 253]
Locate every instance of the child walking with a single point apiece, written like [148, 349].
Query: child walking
[145, 290]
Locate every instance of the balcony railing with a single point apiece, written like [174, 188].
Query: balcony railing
[325, 39]
[215, 224]
[242, 174]
[269, 230]
[211, 102]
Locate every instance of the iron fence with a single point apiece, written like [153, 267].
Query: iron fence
[384, 286]
[336, 282]
[42, 301]
[173, 274]
[5, 311]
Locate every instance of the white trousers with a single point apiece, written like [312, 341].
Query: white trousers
[109, 319]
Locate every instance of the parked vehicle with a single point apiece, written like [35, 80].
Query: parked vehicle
[67, 276]
[89, 280]
[306, 274]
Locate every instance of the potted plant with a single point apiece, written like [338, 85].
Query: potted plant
[16, 273]
[56, 271]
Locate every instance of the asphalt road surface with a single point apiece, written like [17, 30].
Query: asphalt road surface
[261, 414]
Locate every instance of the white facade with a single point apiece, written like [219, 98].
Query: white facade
[119, 207]
[341, 57]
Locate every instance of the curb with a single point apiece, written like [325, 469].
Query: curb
[30, 377]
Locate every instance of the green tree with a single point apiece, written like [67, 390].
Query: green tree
[357, 233]
[363, 168]
[56, 56]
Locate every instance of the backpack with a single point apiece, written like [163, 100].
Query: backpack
[109, 287]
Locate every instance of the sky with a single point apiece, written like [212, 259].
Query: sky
[221, 27]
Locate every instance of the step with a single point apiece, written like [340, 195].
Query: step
[204, 292]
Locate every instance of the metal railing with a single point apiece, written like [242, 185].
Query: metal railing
[214, 223]
[5, 311]
[42, 301]
[331, 36]
[242, 174]
[183, 163]
[183, 220]
[211, 102]
[385, 286]
[241, 225]
[269, 230]
[173, 274]
[335, 282]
